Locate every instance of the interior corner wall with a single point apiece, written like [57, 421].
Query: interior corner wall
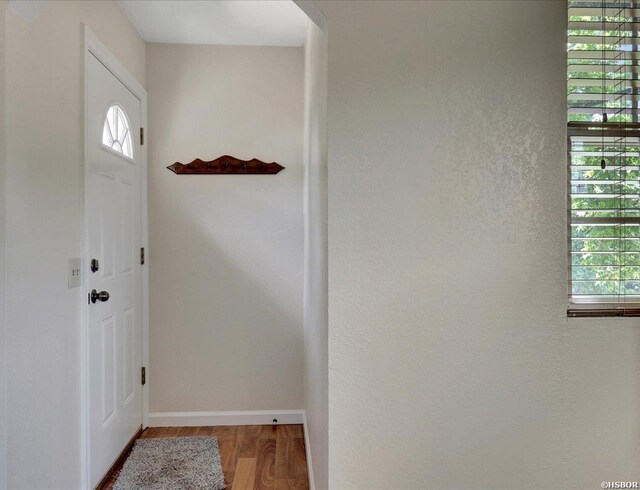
[315, 284]
[3, 322]
[225, 251]
[453, 364]
[44, 206]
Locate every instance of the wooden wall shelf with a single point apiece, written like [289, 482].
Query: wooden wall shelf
[225, 165]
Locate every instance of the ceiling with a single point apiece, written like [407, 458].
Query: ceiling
[27, 9]
[240, 22]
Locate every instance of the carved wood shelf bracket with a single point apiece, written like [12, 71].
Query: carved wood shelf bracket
[225, 165]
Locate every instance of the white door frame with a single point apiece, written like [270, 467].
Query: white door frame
[94, 47]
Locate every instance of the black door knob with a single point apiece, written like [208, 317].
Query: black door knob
[99, 296]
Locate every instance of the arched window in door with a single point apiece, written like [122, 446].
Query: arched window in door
[116, 132]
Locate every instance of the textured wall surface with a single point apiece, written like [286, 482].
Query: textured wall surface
[44, 203]
[3, 319]
[226, 251]
[315, 274]
[452, 364]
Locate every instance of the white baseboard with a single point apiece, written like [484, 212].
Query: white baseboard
[191, 419]
[307, 449]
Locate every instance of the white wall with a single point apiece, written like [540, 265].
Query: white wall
[3, 323]
[452, 363]
[315, 284]
[44, 196]
[226, 252]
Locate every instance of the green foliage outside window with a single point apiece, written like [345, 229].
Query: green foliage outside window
[604, 247]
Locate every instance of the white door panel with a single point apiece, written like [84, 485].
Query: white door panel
[114, 236]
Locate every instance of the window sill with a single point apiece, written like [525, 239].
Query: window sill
[602, 312]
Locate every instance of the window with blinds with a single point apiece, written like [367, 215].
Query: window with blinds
[604, 157]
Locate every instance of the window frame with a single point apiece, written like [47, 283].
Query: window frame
[618, 304]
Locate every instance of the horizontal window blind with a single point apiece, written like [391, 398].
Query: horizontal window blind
[603, 95]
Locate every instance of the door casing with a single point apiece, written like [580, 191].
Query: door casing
[94, 47]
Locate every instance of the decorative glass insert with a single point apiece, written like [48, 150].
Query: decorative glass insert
[116, 132]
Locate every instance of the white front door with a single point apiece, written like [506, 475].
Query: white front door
[113, 207]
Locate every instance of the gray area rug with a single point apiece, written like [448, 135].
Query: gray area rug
[173, 463]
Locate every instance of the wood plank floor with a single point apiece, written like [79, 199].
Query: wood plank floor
[253, 456]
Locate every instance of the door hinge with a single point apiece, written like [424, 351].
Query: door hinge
[143, 376]
[142, 256]
[141, 136]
